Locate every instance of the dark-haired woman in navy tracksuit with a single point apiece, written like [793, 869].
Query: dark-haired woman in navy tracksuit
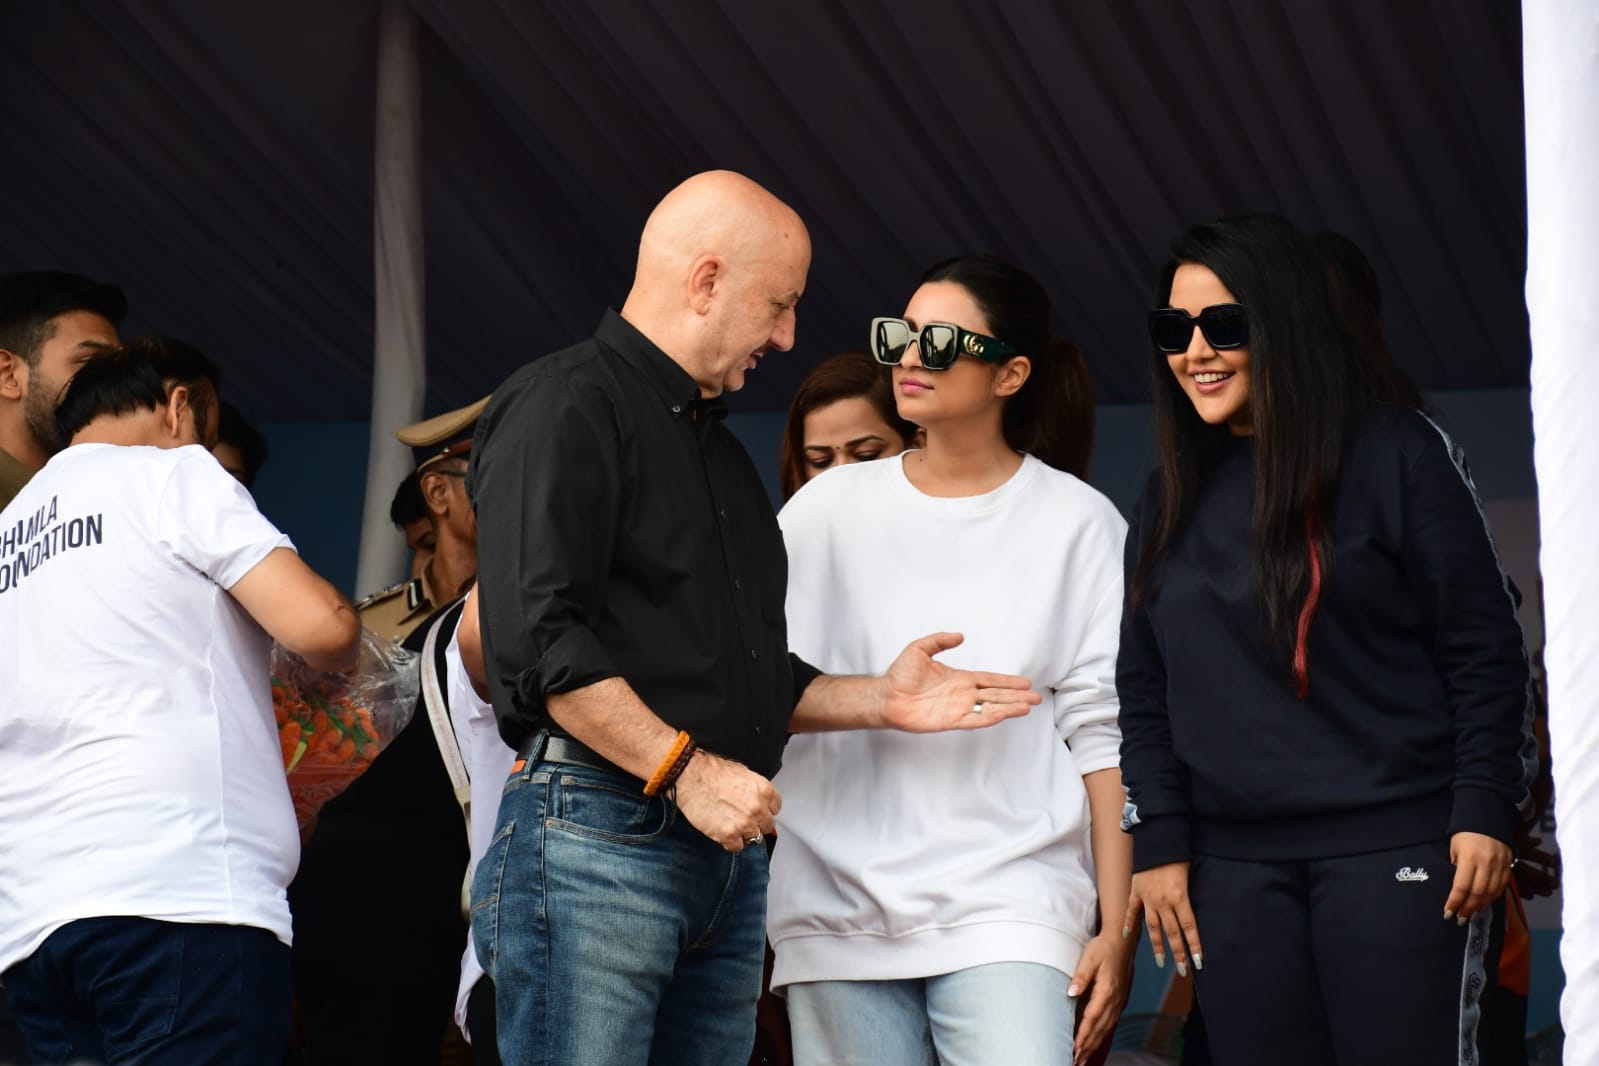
[1325, 703]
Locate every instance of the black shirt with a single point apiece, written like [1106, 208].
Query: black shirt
[623, 532]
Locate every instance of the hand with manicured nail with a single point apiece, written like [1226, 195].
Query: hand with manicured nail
[1105, 972]
[1160, 898]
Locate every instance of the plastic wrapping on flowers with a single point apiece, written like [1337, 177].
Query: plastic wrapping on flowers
[331, 726]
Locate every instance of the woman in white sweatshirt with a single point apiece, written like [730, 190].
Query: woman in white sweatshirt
[937, 899]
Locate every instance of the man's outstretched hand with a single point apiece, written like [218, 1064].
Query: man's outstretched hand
[922, 695]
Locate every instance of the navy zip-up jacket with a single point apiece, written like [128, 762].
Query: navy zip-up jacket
[1418, 722]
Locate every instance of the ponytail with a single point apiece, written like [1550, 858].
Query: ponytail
[1052, 415]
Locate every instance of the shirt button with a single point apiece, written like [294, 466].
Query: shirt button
[677, 408]
[757, 730]
[754, 654]
[722, 514]
[737, 584]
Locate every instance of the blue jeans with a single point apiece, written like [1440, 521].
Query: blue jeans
[1014, 1013]
[126, 990]
[615, 932]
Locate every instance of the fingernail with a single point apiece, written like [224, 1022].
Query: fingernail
[1199, 962]
[1160, 962]
[1461, 920]
[1072, 990]
[1126, 932]
[1448, 914]
[1182, 969]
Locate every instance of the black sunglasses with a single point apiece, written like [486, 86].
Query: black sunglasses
[938, 344]
[1225, 326]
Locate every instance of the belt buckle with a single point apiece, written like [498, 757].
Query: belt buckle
[531, 751]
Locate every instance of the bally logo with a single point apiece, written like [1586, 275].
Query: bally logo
[1407, 874]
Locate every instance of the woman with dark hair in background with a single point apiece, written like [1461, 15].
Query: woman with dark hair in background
[934, 899]
[843, 413]
[1357, 300]
[1324, 692]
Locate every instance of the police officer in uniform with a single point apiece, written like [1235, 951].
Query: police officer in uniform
[442, 446]
[392, 849]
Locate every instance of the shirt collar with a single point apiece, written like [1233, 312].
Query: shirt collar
[669, 381]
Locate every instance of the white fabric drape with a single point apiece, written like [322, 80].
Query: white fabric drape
[1561, 70]
[399, 370]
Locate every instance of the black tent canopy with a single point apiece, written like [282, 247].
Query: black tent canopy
[217, 160]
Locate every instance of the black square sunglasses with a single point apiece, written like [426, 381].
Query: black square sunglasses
[1225, 326]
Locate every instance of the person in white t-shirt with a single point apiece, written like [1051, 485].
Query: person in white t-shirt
[488, 762]
[948, 898]
[144, 815]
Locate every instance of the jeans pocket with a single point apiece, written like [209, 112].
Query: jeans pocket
[613, 813]
[486, 882]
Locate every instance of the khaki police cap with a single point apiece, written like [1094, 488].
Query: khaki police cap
[435, 439]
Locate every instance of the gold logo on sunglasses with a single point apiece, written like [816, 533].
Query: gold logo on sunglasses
[973, 345]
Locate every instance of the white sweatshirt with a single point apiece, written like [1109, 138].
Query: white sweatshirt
[902, 855]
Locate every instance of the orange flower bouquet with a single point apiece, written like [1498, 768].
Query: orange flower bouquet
[331, 726]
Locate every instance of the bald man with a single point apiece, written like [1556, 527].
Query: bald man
[632, 579]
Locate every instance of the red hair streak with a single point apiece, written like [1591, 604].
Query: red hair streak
[1308, 612]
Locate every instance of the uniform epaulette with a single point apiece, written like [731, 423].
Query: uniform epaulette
[412, 589]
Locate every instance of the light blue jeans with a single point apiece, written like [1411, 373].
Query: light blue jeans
[616, 933]
[1010, 1013]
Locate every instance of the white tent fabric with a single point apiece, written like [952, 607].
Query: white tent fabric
[399, 364]
[1561, 42]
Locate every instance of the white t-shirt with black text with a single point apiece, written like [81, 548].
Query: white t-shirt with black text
[140, 771]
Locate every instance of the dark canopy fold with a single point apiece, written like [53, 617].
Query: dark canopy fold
[216, 159]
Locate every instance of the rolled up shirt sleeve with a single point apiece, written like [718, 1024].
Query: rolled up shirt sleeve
[545, 485]
[1085, 702]
[804, 673]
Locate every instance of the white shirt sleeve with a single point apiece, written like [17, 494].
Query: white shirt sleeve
[488, 763]
[209, 520]
[1085, 701]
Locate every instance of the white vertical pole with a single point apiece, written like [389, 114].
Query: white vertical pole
[1561, 77]
[399, 365]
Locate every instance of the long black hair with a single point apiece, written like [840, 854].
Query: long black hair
[1052, 415]
[1357, 297]
[1306, 389]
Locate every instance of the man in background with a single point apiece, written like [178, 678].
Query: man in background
[442, 446]
[396, 839]
[409, 513]
[240, 447]
[50, 324]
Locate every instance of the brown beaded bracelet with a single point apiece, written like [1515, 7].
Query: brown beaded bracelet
[669, 768]
[680, 765]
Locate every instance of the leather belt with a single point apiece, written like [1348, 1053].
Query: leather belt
[544, 747]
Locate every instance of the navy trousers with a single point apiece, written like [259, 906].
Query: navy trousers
[135, 990]
[1339, 962]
